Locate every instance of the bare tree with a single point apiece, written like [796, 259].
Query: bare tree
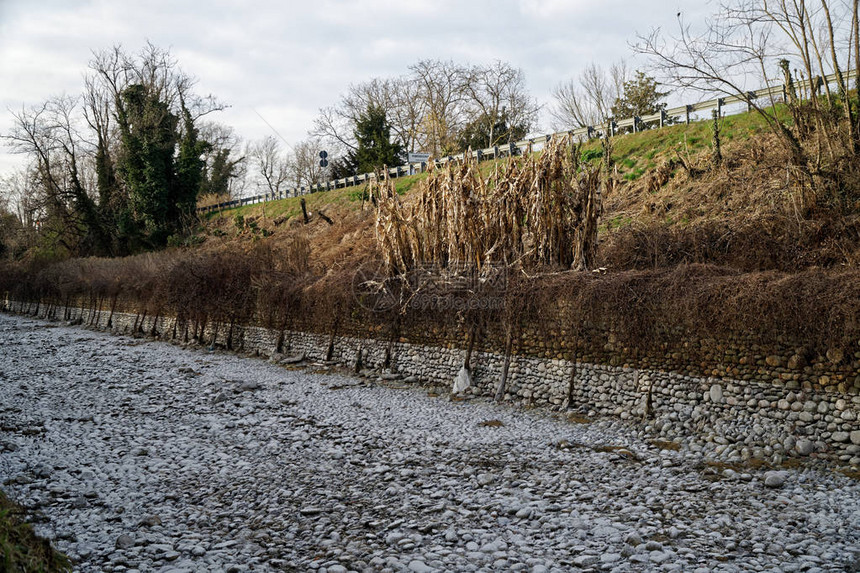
[497, 92]
[18, 195]
[270, 165]
[407, 113]
[745, 42]
[399, 97]
[442, 92]
[588, 100]
[49, 134]
[305, 167]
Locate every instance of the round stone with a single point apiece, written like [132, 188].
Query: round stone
[804, 447]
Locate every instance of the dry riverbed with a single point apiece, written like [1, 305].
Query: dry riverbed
[142, 456]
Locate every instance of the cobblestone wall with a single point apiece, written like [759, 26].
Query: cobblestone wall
[732, 420]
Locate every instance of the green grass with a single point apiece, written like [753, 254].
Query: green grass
[21, 550]
[633, 154]
[291, 206]
[618, 222]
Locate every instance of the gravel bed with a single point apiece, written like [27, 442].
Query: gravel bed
[136, 455]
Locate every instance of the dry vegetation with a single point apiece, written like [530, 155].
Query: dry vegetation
[541, 211]
[688, 249]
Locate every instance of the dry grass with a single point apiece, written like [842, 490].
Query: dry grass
[21, 550]
[664, 445]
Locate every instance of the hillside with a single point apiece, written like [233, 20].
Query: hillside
[669, 206]
[746, 250]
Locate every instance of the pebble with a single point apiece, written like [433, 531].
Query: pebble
[775, 479]
[149, 459]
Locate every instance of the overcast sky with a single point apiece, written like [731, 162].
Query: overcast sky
[286, 59]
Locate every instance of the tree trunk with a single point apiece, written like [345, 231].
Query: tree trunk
[112, 309]
[358, 362]
[500, 392]
[570, 385]
[467, 360]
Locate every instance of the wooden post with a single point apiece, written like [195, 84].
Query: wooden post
[717, 157]
[305, 210]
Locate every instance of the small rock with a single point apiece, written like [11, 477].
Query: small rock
[124, 541]
[150, 521]
[716, 393]
[775, 479]
[804, 447]
[835, 355]
[419, 566]
[839, 436]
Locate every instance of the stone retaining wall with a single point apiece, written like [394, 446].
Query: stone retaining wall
[731, 420]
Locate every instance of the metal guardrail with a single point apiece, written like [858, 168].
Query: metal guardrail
[530, 144]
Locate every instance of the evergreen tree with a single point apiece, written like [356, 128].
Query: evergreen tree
[374, 147]
[640, 98]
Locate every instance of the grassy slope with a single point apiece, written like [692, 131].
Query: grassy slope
[21, 550]
[634, 156]
[742, 214]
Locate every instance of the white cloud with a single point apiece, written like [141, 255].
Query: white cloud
[287, 59]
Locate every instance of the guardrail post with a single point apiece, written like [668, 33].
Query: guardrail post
[687, 110]
[662, 117]
[635, 124]
[720, 103]
[495, 152]
[512, 148]
[479, 155]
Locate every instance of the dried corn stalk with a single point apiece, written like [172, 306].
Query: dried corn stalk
[536, 211]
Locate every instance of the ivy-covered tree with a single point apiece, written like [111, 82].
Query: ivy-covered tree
[138, 184]
[189, 172]
[219, 173]
[149, 138]
[640, 97]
